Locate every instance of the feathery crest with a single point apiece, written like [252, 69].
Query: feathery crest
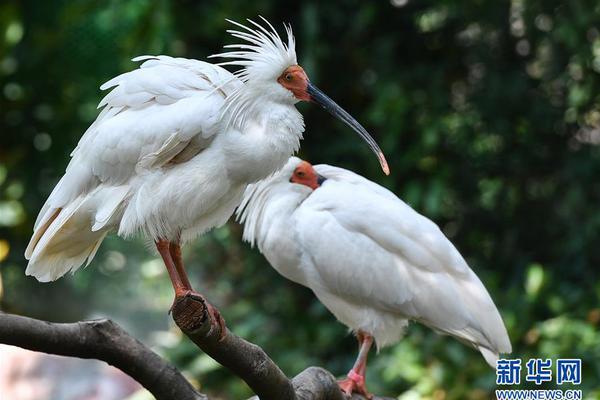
[265, 56]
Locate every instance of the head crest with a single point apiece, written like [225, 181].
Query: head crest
[265, 56]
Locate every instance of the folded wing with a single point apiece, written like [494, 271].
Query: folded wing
[384, 254]
[167, 111]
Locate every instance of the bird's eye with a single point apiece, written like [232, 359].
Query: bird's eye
[300, 174]
[288, 77]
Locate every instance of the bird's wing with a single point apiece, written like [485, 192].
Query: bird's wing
[166, 111]
[368, 247]
[365, 207]
[159, 110]
[349, 177]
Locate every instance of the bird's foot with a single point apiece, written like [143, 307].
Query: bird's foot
[354, 383]
[193, 304]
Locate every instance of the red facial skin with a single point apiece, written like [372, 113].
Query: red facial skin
[295, 80]
[305, 174]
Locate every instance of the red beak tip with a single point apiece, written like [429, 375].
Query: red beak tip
[384, 164]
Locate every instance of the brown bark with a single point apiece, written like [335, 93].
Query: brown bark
[105, 340]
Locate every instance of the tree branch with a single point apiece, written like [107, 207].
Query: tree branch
[250, 362]
[316, 383]
[246, 360]
[106, 341]
[102, 340]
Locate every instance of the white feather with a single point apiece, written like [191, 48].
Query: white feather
[373, 261]
[171, 152]
[265, 57]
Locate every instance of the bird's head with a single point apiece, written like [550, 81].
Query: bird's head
[276, 196]
[305, 174]
[270, 67]
[294, 80]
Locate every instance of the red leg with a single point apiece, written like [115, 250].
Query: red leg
[179, 284]
[175, 251]
[171, 255]
[355, 381]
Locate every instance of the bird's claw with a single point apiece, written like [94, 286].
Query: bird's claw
[354, 383]
[216, 320]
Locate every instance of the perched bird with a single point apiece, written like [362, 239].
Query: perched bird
[372, 260]
[173, 149]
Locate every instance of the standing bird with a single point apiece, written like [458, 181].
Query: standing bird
[372, 260]
[173, 149]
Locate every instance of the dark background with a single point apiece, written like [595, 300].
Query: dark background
[488, 112]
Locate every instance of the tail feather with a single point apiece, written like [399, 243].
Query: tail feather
[485, 328]
[46, 217]
[490, 356]
[469, 314]
[50, 267]
[63, 241]
[92, 254]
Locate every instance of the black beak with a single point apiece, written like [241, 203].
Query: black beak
[320, 179]
[324, 101]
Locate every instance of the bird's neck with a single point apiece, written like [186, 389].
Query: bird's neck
[265, 215]
[263, 142]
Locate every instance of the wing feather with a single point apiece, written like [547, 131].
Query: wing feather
[365, 245]
[168, 109]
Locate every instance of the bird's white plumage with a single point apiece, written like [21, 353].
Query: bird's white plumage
[170, 153]
[263, 55]
[372, 260]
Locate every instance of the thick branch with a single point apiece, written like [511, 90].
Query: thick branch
[316, 383]
[246, 360]
[250, 362]
[103, 340]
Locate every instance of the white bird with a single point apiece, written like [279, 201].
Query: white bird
[372, 260]
[173, 149]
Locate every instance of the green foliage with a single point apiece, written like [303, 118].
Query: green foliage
[489, 113]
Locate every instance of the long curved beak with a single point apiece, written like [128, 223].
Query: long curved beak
[324, 101]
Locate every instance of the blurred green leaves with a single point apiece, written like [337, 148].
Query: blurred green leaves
[534, 280]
